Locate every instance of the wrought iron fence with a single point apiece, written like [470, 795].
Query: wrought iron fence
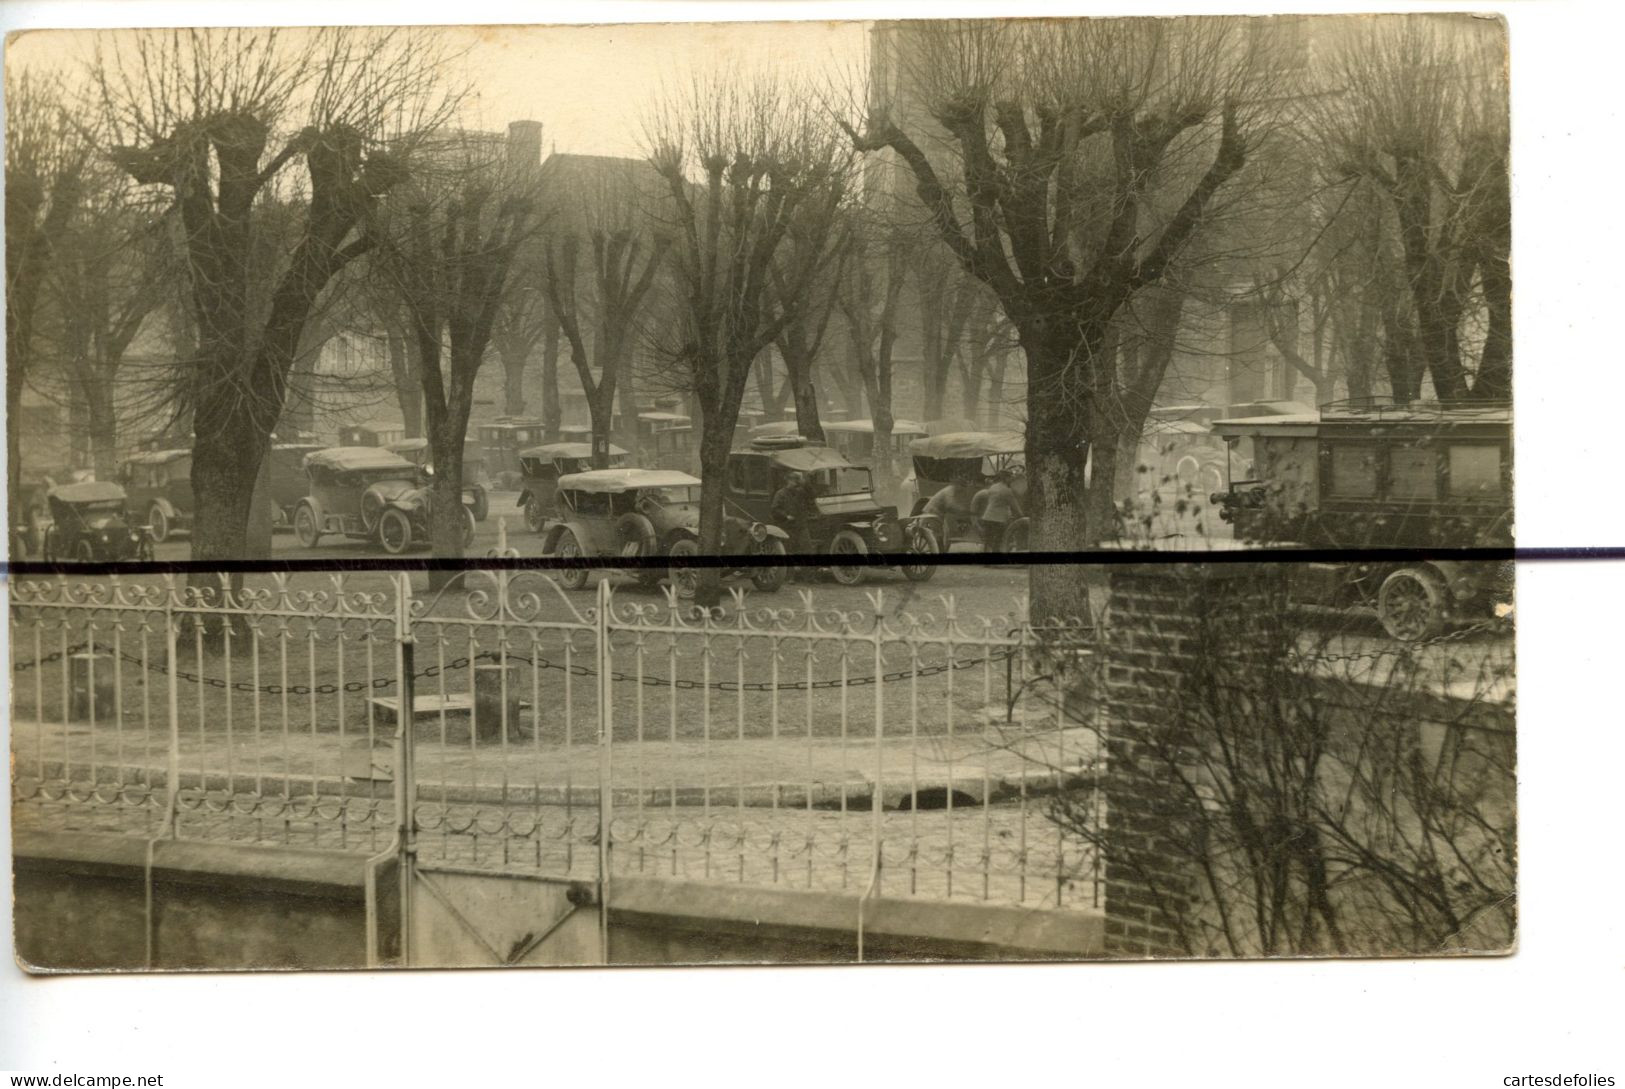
[900, 754]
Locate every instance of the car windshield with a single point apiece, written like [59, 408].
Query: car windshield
[663, 497]
[849, 481]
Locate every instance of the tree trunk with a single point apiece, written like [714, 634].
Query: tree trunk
[446, 522]
[626, 392]
[995, 388]
[715, 442]
[403, 369]
[103, 425]
[600, 411]
[1494, 379]
[552, 410]
[1059, 499]
[513, 381]
[800, 382]
[14, 441]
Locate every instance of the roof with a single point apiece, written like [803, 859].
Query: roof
[567, 450]
[625, 480]
[346, 459]
[664, 417]
[421, 444]
[806, 459]
[969, 444]
[775, 428]
[866, 427]
[1302, 425]
[91, 491]
[157, 457]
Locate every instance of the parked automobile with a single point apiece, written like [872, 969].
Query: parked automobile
[33, 514]
[1381, 475]
[372, 433]
[476, 485]
[368, 493]
[976, 456]
[285, 475]
[651, 512]
[855, 439]
[502, 439]
[89, 524]
[849, 521]
[540, 468]
[159, 485]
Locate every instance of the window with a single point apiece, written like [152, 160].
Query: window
[1475, 472]
[1353, 471]
[1413, 473]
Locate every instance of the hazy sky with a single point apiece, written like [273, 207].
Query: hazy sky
[590, 86]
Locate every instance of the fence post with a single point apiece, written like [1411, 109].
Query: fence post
[606, 766]
[406, 769]
[172, 661]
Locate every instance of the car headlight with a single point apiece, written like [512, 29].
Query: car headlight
[758, 532]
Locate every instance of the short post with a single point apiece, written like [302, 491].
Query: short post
[496, 691]
[90, 687]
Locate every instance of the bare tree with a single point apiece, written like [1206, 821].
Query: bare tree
[217, 119]
[1421, 115]
[806, 319]
[45, 181]
[1082, 158]
[448, 241]
[625, 255]
[768, 167]
[869, 296]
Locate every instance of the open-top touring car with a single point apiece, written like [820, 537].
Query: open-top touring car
[89, 524]
[368, 493]
[651, 512]
[540, 468]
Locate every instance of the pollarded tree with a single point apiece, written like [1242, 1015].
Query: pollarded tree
[1421, 115]
[447, 242]
[46, 165]
[870, 294]
[801, 338]
[746, 166]
[1081, 158]
[220, 120]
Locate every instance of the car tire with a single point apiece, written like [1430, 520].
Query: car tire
[770, 579]
[83, 552]
[482, 504]
[394, 531]
[468, 528]
[159, 521]
[535, 515]
[920, 541]
[1015, 536]
[1413, 603]
[306, 527]
[847, 542]
[685, 581]
[568, 548]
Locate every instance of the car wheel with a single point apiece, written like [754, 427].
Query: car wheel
[468, 527]
[568, 548]
[482, 504]
[770, 578]
[847, 543]
[305, 527]
[83, 552]
[535, 515]
[685, 580]
[394, 531]
[922, 543]
[1412, 603]
[159, 521]
[1212, 480]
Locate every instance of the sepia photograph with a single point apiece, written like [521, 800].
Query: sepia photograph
[763, 492]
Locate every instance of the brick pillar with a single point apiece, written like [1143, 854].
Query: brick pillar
[1172, 632]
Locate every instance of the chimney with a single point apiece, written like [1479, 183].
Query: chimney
[524, 144]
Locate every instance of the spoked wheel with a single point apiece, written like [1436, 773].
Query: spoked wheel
[922, 543]
[770, 578]
[394, 531]
[535, 514]
[482, 504]
[1412, 603]
[568, 548]
[468, 528]
[305, 527]
[1015, 536]
[847, 543]
[159, 521]
[1211, 479]
[685, 580]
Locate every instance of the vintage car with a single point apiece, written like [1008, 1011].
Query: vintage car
[855, 439]
[651, 512]
[476, 485]
[540, 468]
[502, 439]
[33, 514]
[89, 525]
[368, 493]
[159, 486]
[285, 478]
[850, 522]
[372, 433]
[976, 456]
[1377, 475]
